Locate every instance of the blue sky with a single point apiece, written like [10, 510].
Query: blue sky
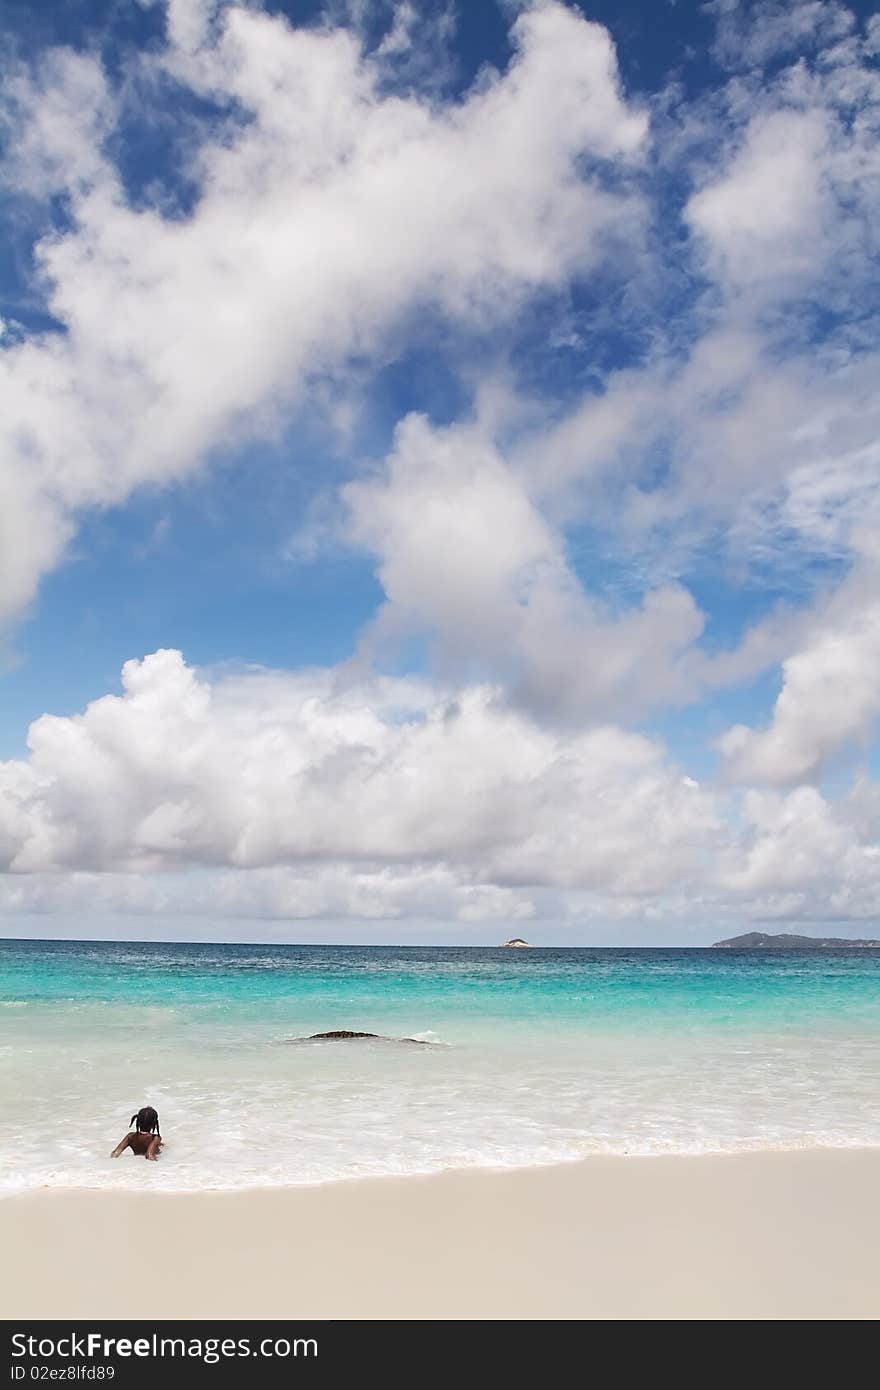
[496, 374]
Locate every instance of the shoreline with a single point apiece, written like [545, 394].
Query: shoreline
[749, 1235]
[421, 1175]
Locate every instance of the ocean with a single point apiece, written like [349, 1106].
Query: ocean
[535, 1056]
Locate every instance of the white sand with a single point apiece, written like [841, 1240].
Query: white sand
[771, 1235]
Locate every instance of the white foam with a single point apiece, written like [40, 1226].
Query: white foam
[241, 1111]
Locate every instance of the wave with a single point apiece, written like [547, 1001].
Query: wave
[142, 1177]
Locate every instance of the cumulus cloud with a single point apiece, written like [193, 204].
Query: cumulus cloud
[830, 695]
[327, 208]
[335, 893]
[484, 573]
[803, 858]
[261, 770]
[268, 795]
[752, 422]
[336, 197]
[764, 213]
[791, 212]
[761, 407]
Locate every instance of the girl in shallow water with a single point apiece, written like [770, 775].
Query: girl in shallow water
[143, 1137]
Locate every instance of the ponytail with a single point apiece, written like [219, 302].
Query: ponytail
[146, 1120]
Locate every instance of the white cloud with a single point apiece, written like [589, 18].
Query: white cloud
[322, 218]
[261, 770]
[56, 119]
[803, 858]
[312, 893]
[750, 34]
[332, 205]
[264, 795]
[759, 405]
[830, 695]
[790, 207]
[765, 216]
[466, 556]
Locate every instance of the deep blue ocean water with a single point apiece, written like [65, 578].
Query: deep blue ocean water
[535, 1056]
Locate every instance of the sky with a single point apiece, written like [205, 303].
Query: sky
[439, 470]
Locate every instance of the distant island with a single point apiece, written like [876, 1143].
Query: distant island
[786, 941]
[516, 942]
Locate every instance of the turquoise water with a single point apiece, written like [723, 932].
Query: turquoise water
[536, 1056]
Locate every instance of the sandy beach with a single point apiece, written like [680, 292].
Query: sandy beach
[746, 1236]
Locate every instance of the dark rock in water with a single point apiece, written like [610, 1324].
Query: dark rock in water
[341, 1033]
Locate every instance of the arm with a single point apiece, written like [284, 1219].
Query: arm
[154, 1147]
[121, 1146]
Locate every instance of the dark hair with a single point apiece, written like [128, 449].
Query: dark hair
[147, 1120]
